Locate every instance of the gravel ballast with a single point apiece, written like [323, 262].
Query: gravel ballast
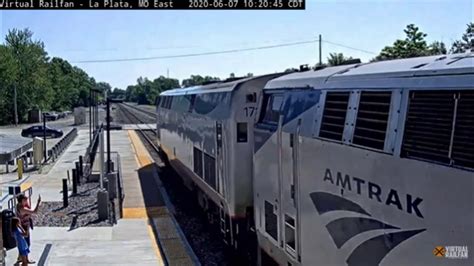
[81, 211]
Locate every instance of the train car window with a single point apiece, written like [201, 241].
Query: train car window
[163, 102]
[271, 221]
[157, 101]
[439, 127]
[207, 102]
[372, 119]
[197, 158]
[181, 103]
[241, 132]
[192, 99]
[334, 115]
[167, 102]
[290, 233]
[272, 105]
[175, 102]
[210, 170]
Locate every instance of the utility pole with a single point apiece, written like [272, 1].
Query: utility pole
[15, 104]
[320, 50]
[168, 73]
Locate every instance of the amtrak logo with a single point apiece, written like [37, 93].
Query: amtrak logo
[372, 251]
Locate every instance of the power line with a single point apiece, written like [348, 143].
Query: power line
[196, 54]
[348, 47]
[220, 52]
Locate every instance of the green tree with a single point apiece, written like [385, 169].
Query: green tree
[31, 80]
[8, 73]
[436, 48]
[146, 91]
[62, 83]
[195, 80]
[82, 84]
[413, 45]
[467, 41]
[40, 82]
[336, 59]
[104, 87]
[118, 94]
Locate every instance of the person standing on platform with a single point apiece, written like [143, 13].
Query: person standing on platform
[25, 214]
[20, 234]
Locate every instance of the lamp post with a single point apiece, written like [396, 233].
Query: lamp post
[97, 124]
[90, 117]
[93, 112]
[108, 135]
[109, 101]
[45, 152]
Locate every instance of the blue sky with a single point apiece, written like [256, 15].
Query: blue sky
[364, 24]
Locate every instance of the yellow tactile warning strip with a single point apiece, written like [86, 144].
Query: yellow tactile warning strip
[141, 152]
[155, 245]
[143, 158]
[137, 213]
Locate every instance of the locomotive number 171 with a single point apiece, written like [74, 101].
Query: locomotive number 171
[249, 111]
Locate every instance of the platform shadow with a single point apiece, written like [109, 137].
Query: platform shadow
[147, 176]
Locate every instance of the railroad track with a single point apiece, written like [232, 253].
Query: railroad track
[204, 240]
[151, 116]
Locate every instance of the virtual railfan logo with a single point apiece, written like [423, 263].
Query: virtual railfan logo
[451, 252]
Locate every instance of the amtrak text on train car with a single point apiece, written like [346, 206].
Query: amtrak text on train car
[374, 191]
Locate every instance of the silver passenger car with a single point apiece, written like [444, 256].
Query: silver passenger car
[206, 133]
[368, 164]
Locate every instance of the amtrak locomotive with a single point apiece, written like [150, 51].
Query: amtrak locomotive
[207, 134]
[363, 164]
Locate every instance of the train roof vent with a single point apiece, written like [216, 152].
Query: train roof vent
[334, 115]
[319, 67]
[351, 61]
[233, 79]
[419, 66]
[428, 126]
[458, 58]
[463, 144]
[372, 118]
[211, 82]
[304, 67]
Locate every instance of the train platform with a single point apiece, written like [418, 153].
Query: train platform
[147, 234]
[145, 198]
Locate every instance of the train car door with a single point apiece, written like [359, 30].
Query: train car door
[268, 138]
[289, 173]
[219, 159]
